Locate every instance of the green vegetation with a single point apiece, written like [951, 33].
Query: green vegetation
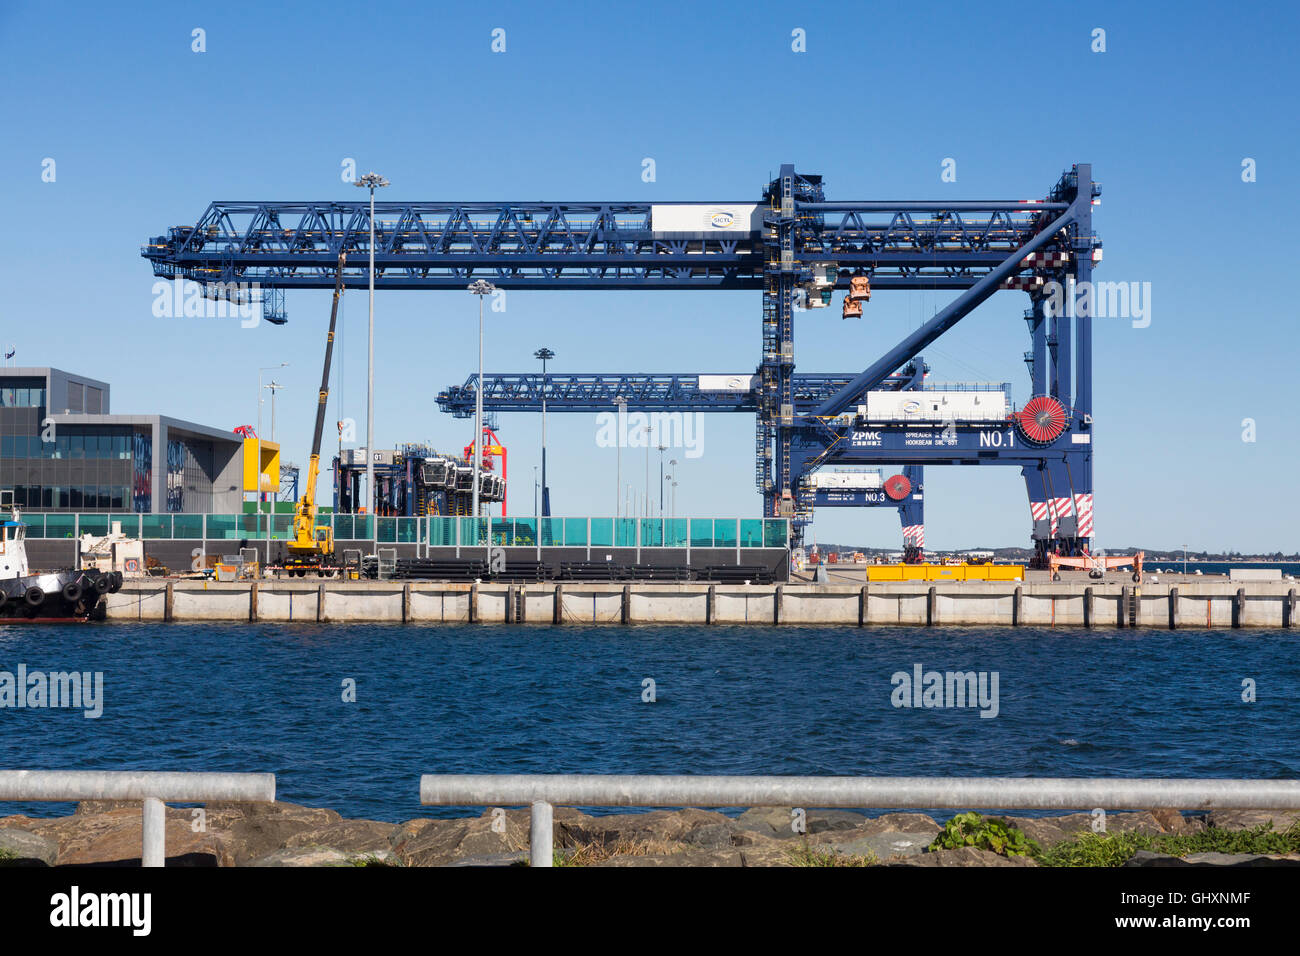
[1096, 849]
[809, 855]
[984, 833]
[1116, 849]
[7, 857]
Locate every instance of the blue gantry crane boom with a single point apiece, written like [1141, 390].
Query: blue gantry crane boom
[645, 392]
[791, 243]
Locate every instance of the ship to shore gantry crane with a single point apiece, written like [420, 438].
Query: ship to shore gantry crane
[794, 246]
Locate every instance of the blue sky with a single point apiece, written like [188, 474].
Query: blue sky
[146, 132]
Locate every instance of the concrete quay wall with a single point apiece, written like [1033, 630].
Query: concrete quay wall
[968, 603]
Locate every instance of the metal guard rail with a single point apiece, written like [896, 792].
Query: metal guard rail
[545, 791]
[155, 789]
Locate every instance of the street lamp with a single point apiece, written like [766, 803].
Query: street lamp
[258, 468]
[662, 449]
[673, 511]
[1184, 559]
[371, 181]
[480, 288]
[273, 387]
[645, 504]
[621, 404]
[545, 355]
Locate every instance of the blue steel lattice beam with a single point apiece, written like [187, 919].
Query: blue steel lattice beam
[433, 245]
[661, 392]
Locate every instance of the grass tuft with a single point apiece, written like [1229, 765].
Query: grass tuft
[585, 854]
[810, 855]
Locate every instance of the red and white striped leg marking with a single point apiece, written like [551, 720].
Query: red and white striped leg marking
[1083, 507]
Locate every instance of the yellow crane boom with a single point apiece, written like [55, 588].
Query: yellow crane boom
[310, 544]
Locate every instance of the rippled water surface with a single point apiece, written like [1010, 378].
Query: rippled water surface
[540, 699]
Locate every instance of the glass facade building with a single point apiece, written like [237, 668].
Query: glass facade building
[60, 450]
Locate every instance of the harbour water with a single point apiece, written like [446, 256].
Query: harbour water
[1288, 568]
[541, 699]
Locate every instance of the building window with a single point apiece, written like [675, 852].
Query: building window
[23, 393]
[142, 483]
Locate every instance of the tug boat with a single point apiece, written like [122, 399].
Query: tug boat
[68, 595]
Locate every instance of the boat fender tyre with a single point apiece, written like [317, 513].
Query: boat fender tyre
[1137, 577]
[1056, 577]
[116, 584]
[101, 584]
[34, 596]
[72, 592]
[4, 598]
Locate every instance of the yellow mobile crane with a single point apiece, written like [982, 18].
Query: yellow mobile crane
[312, 546]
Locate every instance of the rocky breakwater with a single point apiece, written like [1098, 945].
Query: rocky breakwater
[285, 834]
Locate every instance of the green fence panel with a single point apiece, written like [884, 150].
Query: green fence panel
[776, 533]
[88, 524]
[473, 532]
[525, 532]
[625, 532]
[675, 533]
[223, 526]
[552, 532]
[503, 532]
[64, 526]
[602, 532]
[130, 524]
[442, 532]
[387, 527]
[652, 533]
[155, 526]
[751, 532]
[187, 526]
[575, 532]
[701, 532]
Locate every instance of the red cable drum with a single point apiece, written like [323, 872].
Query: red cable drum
[1042, 420]
[897, 487]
